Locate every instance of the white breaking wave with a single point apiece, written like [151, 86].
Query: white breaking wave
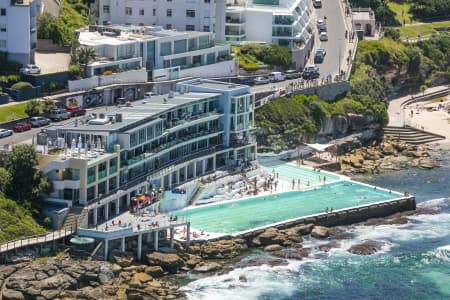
[438, 203]
[442, 253]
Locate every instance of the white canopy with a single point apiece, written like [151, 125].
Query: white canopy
[319, 147]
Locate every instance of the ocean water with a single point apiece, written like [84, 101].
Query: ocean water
[414, 262]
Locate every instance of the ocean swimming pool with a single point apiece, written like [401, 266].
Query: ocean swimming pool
[237, 216]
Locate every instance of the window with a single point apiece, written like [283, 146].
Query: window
[207, 1]
[3, 27]
[206, 28]
[106, 9]
[2, 11]
[169, 12]
[190, 13]
[141, 12]
[2, 43]
[154, 12]
[165, 48]
[190, 27]
[128, 11]
[168, 26]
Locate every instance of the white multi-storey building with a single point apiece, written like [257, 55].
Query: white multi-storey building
[166, 54]
[160, 142]
[18, 28]
[183, 15]
[283, 22]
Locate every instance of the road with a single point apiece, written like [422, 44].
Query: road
[336, 46]
[50, 6]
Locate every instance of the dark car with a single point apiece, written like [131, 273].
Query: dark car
[76, 111]
[21, 126]
[245, 81]
[320, 55]
[322, 27]
[311, 72]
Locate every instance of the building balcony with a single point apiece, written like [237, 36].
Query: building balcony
[101, 174]
[66, 184]
[235, 21]
[237, 33]
[112, 169]
[91, 179]
[189, 120]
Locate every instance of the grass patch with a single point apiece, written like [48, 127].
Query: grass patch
[423, 29]
[7, 112]
[402, 12]
[16, 222]
[246, 61]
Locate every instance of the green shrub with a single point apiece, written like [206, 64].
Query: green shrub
[21, 85]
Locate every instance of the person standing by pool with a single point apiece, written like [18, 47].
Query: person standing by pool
[324, 179]
[298, 183]
[293, 183]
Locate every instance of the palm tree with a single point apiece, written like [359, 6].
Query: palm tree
[85, 55]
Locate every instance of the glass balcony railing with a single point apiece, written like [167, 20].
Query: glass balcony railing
[91, 179]
[112, 169]
[101, 174]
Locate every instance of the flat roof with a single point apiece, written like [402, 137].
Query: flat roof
[139, 110]
[213, 84]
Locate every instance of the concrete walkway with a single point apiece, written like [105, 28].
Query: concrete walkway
[432, 121]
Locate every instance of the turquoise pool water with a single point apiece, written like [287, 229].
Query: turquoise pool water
[288, 172]
[237, 216]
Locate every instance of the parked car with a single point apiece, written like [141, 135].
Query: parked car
[5, 132]
[261, 80]
[30, 69]
[245, 81]
[291, 74]
[320, 55]
[150, 94]
[320, 22]
[39, 121]
[317, 3]
[76, 111]
[276, 76]
[322, 27]
[59, 114]
[21, 127]
[311, 72]
[323, 36]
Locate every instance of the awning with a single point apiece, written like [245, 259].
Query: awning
[319, 147]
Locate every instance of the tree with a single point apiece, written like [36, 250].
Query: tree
[83, 56]
[4, 181]
[423, 88]
[27, 184]
[47, 27]
[32, 108]
[47, 106]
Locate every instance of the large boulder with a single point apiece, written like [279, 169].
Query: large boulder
[154, 271]
[205, 267]
[320, 232]
[105, 275]
[223, 249]
[170, 262]
[271, 248]
[366, 248]
[12, 295]
[123, 259]
[271, 236]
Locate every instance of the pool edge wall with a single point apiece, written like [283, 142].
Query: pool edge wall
[344, 217]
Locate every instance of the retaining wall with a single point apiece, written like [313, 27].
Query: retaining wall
[346, 216]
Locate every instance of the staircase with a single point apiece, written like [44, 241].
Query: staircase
[75, 217]
[411, 135]
[197, 194]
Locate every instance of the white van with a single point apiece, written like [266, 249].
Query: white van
[276, 76]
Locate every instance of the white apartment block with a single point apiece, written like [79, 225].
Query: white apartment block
[182, 15]
[165, 54]
[282, 22]
[18, 29]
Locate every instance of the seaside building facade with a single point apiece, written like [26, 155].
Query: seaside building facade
[151, 144]
[283, 22]
[191, 15]
[18, 29]
[147, 53]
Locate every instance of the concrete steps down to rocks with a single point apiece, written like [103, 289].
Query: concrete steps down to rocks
[74, 217]
[411, 135]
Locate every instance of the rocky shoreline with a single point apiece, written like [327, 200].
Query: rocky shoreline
[389, 155]
[63, 277]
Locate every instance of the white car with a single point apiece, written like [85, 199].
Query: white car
[150, 94]
[323, 36]
[261, 80]
[5, 132]
[30, 69]
[39, 121]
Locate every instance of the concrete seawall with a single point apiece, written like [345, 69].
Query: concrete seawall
[344, 216]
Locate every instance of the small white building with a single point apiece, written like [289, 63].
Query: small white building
[129, 53]
[18, 29]
[189, 15]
